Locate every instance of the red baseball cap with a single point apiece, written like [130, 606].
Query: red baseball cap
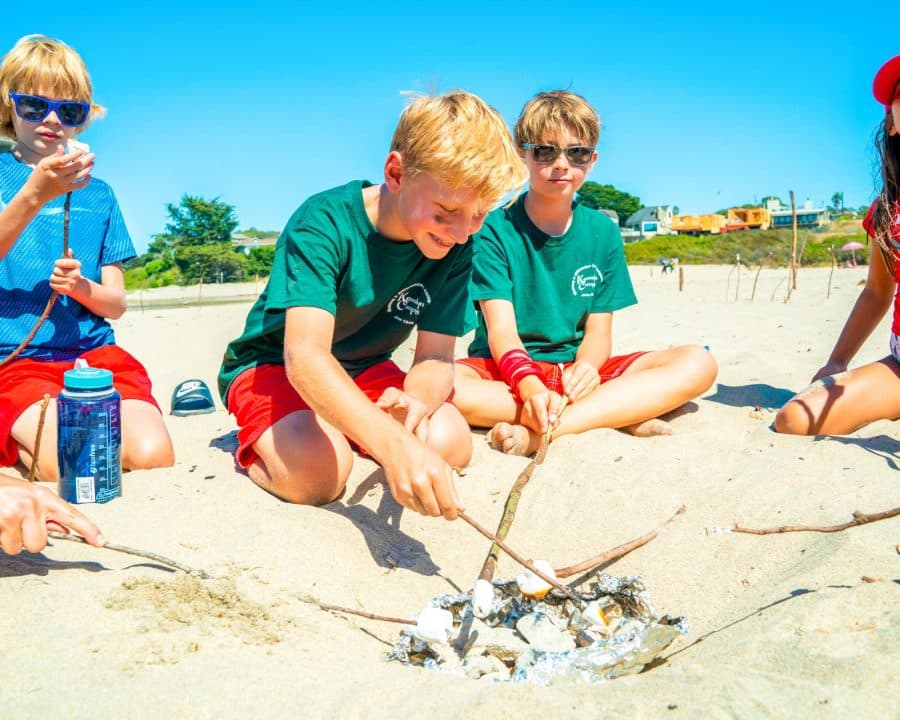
[886, 80]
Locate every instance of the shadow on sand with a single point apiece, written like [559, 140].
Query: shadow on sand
[753, 395]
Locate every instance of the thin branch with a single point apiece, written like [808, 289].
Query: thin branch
[616, 552]
[512, 500]
[858, 519]
[133, 551]
[37, 438]
[522, 561]
[351, 611]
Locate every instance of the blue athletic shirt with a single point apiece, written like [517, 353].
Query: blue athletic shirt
[97, 237]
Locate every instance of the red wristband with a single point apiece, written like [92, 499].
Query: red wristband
[515, 366]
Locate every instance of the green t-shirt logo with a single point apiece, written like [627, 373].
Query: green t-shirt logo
[408, 304]
[586, 280]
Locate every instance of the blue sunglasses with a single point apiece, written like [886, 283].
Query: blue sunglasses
[34, 109]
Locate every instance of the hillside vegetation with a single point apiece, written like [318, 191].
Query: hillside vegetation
[755, 247]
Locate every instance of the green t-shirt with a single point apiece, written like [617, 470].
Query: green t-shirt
[330, 256]
[554, 283]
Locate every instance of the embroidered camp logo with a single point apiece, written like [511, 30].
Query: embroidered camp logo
[585, 281]
[407, 305]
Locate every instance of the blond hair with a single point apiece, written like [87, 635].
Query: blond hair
[550, 111]
[38, 64]
[461, 141]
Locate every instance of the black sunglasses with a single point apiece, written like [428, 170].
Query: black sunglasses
[34, 109]
[575, 154]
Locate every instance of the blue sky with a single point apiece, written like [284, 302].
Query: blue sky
[703, 105]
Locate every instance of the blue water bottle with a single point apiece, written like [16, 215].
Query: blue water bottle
[90, 436]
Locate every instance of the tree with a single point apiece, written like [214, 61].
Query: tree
[837, 201]
[196, 244]
[597, 196]
[196, 221]
[209, 263]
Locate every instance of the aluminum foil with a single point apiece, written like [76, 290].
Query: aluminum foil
[526, 640]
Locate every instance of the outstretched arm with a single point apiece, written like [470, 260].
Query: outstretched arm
[26, 510]
[870, 307]
[418, 477]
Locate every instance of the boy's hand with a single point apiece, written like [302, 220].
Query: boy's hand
[407, 410]
[829, 368]
[579, 380]
[67, 278]
[27, 510]
[61, 173]
[540, 411]
[420, 480]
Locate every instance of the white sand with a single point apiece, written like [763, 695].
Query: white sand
[788, 627]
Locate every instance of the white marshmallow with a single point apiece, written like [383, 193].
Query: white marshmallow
[433, 624]
[482, 598]
[593, 615]
[531, 585]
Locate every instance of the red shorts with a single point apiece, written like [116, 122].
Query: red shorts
[259, 397]
[24, 382]
[487, 369]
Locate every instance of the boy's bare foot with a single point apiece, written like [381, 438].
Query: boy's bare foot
[513, 439]
[649, 428]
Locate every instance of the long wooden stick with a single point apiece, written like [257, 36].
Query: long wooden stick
[859, 518]
[616, 552]
[831, 273]
[133, 551]
[37, 438]
[522, 561]
[351, 611]
[512, 501]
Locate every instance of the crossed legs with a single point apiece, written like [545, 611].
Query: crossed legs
[654, 384]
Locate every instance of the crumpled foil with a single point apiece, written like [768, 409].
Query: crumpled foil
[493, 648]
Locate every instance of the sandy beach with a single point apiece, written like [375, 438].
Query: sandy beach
[781, 626]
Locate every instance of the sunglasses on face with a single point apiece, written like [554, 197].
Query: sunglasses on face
[575, 154]
[34, 109]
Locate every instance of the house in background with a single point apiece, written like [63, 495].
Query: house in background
[709, 224]
[753, 218]
[650, 221]
[611, 214]
[243, 243]
[807, 216]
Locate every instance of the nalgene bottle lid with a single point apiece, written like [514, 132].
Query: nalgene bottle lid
[87, 378]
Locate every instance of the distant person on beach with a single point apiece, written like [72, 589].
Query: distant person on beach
[840, 401]
[357, 268]
[28, 511]
[548, 275]
[45, 101]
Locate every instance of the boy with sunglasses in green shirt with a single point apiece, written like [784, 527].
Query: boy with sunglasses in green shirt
[356, 269]
[548, 275]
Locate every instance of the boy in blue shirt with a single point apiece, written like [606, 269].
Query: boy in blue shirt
[46, 185]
